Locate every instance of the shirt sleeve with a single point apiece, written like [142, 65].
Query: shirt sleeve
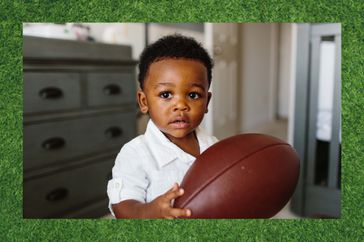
[129, 180]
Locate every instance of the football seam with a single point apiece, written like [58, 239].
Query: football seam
[224, 170]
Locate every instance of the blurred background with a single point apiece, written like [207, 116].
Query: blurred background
[280, 79]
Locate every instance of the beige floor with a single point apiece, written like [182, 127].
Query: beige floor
[277, 128]
[286, 213]
[108, 216]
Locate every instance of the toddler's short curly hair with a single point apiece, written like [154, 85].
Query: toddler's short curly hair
[173, 46]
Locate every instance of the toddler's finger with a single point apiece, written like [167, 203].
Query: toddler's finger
[174, 194]
[178, 212]
[174, 187]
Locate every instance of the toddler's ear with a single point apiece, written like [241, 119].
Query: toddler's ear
[142, 101]
[209, 94]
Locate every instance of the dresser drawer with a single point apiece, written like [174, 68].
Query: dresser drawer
[97, 209]
[105, 88]
[53, 142]
[57, 194]
[51, 91]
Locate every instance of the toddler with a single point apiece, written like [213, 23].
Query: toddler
[174, 78]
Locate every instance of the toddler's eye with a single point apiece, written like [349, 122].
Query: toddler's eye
[165, 95]
[194, 95]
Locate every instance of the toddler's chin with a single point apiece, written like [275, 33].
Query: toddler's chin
[179, 134]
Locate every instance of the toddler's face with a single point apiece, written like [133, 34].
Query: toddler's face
[175, 95]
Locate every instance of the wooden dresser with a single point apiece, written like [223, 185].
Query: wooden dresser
[79, 109]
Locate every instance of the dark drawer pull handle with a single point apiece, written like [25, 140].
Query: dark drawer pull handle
[112, 90]
[54, 143]
[57, 194]
[51, 93]
[113, 132]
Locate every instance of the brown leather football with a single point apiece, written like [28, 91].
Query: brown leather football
[244, 176]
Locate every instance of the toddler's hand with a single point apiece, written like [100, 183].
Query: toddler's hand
[162, 205]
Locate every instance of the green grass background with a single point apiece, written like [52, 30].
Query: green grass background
[13, 227]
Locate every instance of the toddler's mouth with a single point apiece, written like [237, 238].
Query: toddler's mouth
[180, 120]
[180, 123]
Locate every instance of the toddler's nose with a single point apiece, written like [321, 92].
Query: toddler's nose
[180, 105]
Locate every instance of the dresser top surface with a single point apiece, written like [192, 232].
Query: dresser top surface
[46, 48]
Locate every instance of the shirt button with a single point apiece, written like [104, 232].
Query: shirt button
[118, 185]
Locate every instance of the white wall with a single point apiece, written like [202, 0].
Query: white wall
[292, 86]
[120, 33]
[258, 74]
[225, 98]
[285, 69]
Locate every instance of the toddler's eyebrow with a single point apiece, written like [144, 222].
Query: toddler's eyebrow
[194, 84]
[198, 85]
[163, 84]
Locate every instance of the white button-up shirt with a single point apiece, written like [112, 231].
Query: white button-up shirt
[149, 165]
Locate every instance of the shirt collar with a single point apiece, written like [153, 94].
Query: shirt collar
[166, 151]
